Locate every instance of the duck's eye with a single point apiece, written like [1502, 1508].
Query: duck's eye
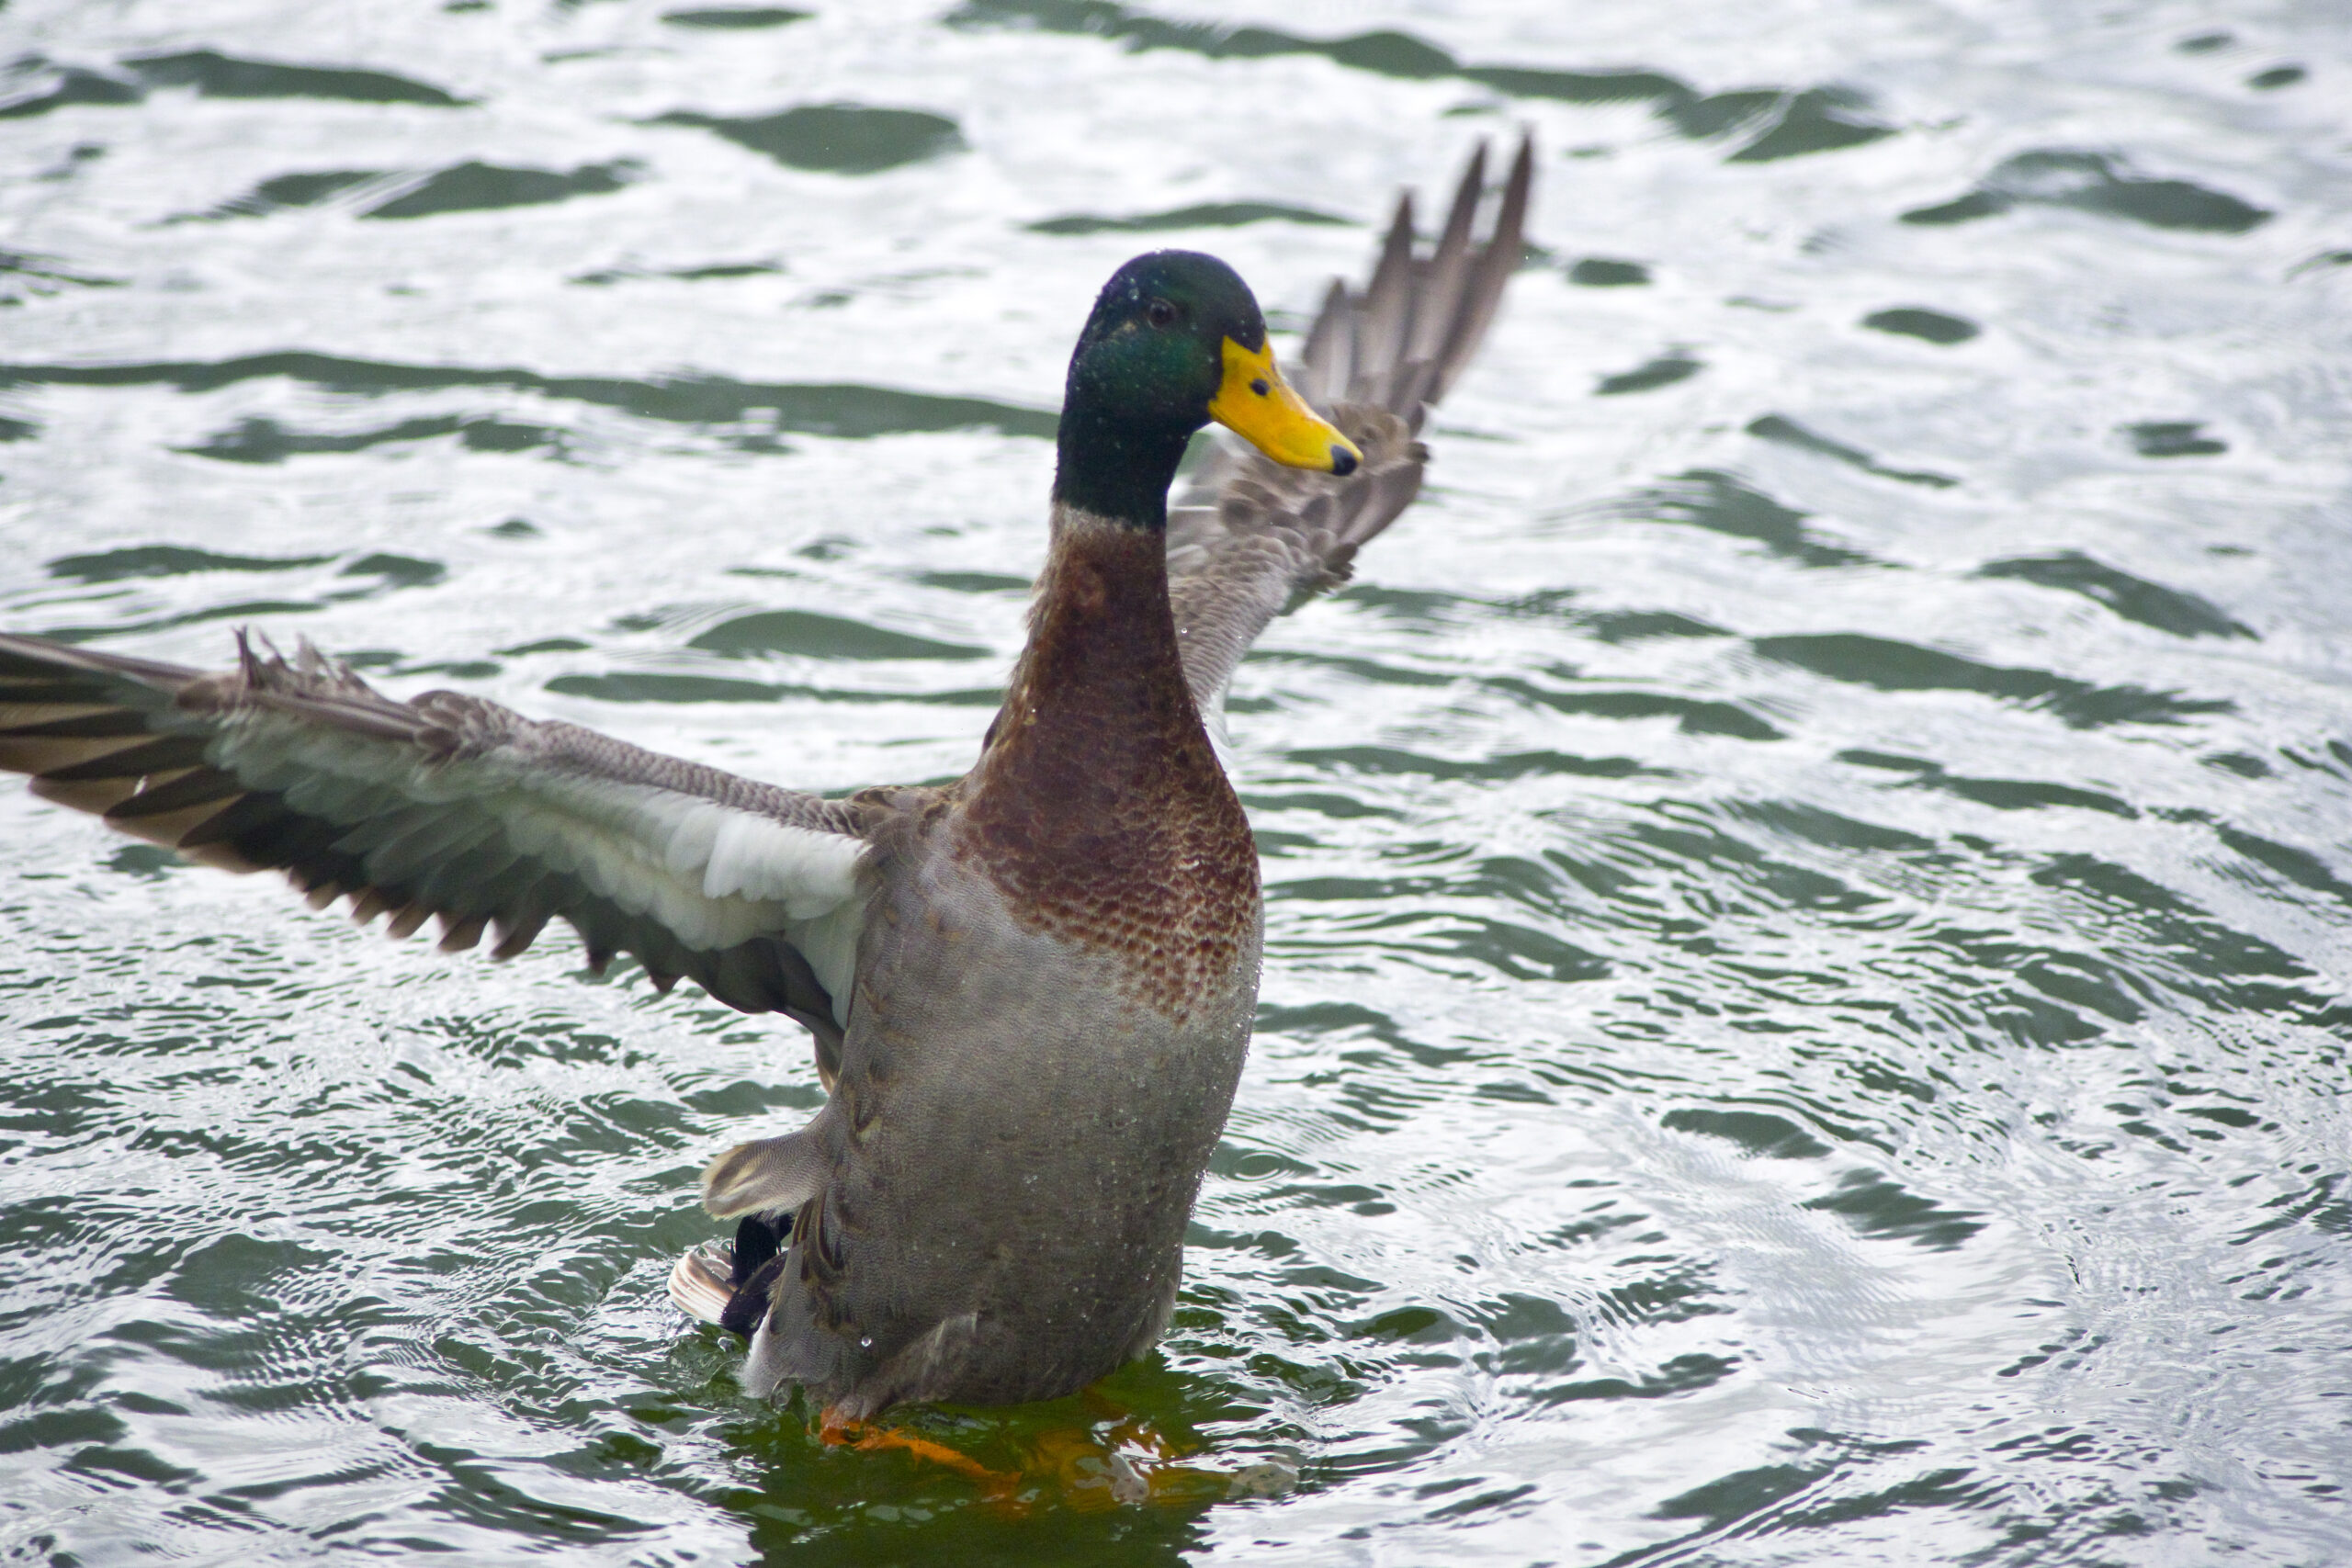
[1159, 314]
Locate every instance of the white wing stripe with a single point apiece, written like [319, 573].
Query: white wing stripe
[690, 840]
[713, 874]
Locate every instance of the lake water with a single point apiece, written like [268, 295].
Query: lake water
[1808, 881]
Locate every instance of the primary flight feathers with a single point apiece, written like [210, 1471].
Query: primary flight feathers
[453, 807]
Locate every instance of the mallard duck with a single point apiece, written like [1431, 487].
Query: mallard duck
[1030, 990]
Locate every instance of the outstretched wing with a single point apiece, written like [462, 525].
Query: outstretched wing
[457, 808]
[1249, 539]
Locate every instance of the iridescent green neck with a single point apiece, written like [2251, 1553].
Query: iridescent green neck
[1116, 468]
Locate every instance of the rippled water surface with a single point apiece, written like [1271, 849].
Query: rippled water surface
[1808, 881]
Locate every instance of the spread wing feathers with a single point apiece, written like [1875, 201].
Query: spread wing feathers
[452, 806]
[1249, 539]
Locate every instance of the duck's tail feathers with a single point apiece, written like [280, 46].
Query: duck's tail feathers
[701, 1283]
[730, 1287]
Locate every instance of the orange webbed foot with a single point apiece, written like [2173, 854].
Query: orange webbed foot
[1122, 1459]
[838, 1430]
[1119, 1460]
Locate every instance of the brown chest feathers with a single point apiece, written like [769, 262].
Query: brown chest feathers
[1098, 808]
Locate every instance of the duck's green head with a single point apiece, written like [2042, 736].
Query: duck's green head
[1176, 340]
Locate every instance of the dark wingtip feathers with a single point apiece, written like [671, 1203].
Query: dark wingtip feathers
[1401, 341]
[515, 937]
[459, 934]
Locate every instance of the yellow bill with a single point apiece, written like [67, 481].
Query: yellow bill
[1255, 403]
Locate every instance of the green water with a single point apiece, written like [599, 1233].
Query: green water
[1808, 881]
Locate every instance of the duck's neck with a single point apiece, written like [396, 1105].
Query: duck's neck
[1099, 701]
[1098, 707]
[1114, 469]
[1098, 808]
